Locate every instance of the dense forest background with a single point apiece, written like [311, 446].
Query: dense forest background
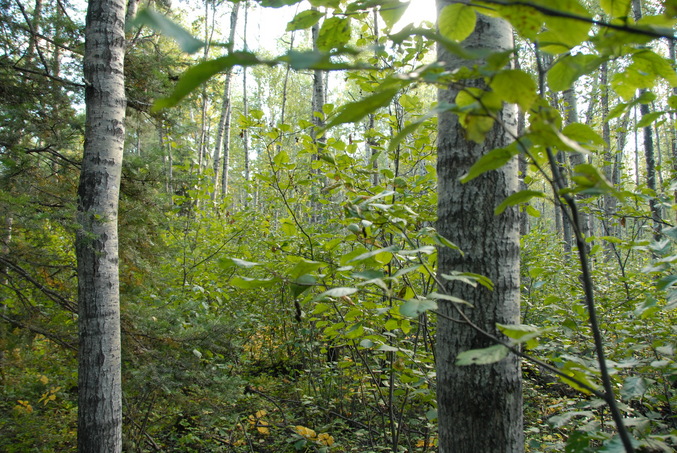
[278, 250]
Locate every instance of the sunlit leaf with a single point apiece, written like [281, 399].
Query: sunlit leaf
[392, 10]
[334, 33]
[159, 22]
[235, 262]
[526, 20]
[198, 74]
[569, 68]
[457, 21]
[616, 8]
[305, 19]
[516, 87]
[355, 111]
[336, 292]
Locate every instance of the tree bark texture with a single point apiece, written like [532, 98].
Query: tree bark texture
[649, 155]
[223, 131]
[99, 379]
[479, 407]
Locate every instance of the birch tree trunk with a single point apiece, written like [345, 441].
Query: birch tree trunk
[479, 407]
[99, 378]
[223, 131]
[571, 106]
[245, 110]
[649, 155]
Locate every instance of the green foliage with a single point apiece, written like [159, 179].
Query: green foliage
[297, 313]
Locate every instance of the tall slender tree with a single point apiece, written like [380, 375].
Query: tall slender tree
[648, 142]
[223, 130]
[99, 378]
[479, 406]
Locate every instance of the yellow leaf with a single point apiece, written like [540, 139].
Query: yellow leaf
[306, 432]
[44, 379]
[325, 439]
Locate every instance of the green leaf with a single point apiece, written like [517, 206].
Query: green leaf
[533, 212]
[615, 445]
[159, 22]
[391, 324]
[584, 135]
[404, 133]
[414, 307]
[570, 68]
[444, 242]
[650, 61]
[304, 266]
[457, 21]
[484, 356]
[320, 308]
[392, 11]
[520, 197]
[253, 283]
[521, 333]
[590, 180]
[387, 348]
[516, 87]
[563, 33]
[302, 284]
[470, 278]
[374, 253]
[634, 387]
[616, 8]
[201, 72]
[355, 111]
[456, 300]
[334, 34]
[666, 282]
[324, 3]
[496, 158]
[526, 20]
[648, 119]
[355, 331]
[578, 372]
[578, 442]
[560, 420]
[336, 292]
[305, 19]
[235, 262]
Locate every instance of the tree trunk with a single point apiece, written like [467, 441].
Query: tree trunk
[318, 99]
[571, 106]
[479, 407]
[223, 131]
[610, 201]
[204, 105]
[673, 130]
[96, 245]
[245, 108]
[649, 155]
[372, 152]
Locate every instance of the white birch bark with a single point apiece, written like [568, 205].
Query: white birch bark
[479, 407]
[99, 379]
[223, 130]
